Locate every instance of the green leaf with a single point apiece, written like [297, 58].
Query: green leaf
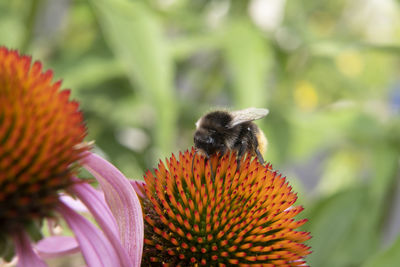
[135, 35]
[330, 222]
[347, 227]
[387, 258]
[386, 168]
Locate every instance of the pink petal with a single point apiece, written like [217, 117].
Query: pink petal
[75, 204]
[55, 246]
[95, 248]
[138, 186]
[95, 202]
[26, 256]
[123, 202]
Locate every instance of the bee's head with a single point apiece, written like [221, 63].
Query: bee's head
[205, 141]
[211, 130]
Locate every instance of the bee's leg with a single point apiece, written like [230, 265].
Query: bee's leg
[260, 157]
[240, 154]
[223, 151]
[207, 158]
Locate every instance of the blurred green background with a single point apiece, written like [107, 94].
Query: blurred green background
[145, 71]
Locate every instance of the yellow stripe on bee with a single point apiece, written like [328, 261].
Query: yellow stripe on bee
[262, 142]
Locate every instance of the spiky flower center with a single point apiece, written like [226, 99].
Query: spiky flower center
[237, 217]
[39, 130]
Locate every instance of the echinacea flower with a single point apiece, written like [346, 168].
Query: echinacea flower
[41, 142]
[243, 217]
[40, 133]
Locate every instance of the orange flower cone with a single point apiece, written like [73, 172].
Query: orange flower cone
[41, 132]
[243, 218]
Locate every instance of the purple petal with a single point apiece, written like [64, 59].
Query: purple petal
[75, 204]
[26, 256]
[95, 248]
[123, 202]
[94, 201]
[55, 246]
[138, 186]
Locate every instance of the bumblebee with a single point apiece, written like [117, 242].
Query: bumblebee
[222, 131]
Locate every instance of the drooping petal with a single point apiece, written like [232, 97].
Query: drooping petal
[73, 203]
[27, 257]
[55, 246]
[138, 186]
[123, 203]
[95, 202]
[96, 249]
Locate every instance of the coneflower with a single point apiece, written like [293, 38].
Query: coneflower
[41, 143]
[41, 132]
[243, 217]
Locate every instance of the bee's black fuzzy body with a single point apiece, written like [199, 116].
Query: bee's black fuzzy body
[221, 131]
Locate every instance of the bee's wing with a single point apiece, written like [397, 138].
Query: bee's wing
[248, 114]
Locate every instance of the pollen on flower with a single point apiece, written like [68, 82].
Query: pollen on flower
[241, 217]
[40, 135]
